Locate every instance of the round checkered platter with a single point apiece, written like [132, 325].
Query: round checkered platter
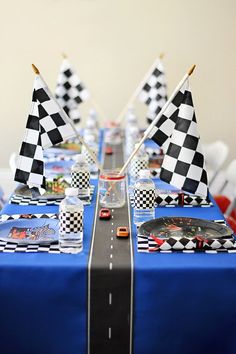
[184, 227]
[178, 233]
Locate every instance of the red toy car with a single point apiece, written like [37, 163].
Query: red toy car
[122, 231]
[108, 150]
[104, 214]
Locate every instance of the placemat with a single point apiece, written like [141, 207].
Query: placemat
[5, 217]
[14, 247]
[175, 200]
[11, 247]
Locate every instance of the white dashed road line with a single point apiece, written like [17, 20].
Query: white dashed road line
[110, 298]
[109, 332]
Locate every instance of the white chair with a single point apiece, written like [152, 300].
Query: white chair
[218, 183]
[7, 182]
[12, 162]
[215, 154]
[231, 173]
[2, 200]
[229, 187]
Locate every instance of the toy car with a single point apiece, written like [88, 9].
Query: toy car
[104, 214]
[122, 231]
[108, 150]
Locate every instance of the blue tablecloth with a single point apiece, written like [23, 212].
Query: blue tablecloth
[183, 303]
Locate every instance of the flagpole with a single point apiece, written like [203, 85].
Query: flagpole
[90, 151]
[151, 126]
[138, 89]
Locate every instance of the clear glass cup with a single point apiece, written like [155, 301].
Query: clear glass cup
[112, 189]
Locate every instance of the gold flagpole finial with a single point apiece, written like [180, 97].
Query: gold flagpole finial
[161, 56]
[191, 70]
[36, 70]
[64, 55]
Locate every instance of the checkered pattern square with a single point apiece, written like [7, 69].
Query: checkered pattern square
[154, 93]
[155, 172]
[70, 222]
[167, 199]
[195, 200]
[136, 166]
[144, 199]
[70, 91]
[46, 126]
[183, 164]
[80, 179]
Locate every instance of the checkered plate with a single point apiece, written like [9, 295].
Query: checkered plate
[148, 245]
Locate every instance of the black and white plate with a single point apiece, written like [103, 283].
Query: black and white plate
[168, 227]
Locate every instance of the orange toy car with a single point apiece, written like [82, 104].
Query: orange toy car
[122, 231]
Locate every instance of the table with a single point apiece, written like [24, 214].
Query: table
[180, 303]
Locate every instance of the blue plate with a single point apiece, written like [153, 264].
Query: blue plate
[33, 231]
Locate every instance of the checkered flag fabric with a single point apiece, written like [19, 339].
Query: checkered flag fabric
[183, 165]
[46, 126]
[154, 93]
[70, 222]
[144, 199]
[163, 129]
[80, 180]
[70, 91]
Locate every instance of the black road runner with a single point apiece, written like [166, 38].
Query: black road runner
[110, 279]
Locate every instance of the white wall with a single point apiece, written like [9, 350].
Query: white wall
[112, 43]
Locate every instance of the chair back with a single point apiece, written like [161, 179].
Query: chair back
[216, 154]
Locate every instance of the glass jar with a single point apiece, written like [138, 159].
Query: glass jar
[111, 189]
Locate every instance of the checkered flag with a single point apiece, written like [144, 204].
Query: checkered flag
[154, 92]
[183, 165]
[46, 126]
[164, 127]
[70, 91]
